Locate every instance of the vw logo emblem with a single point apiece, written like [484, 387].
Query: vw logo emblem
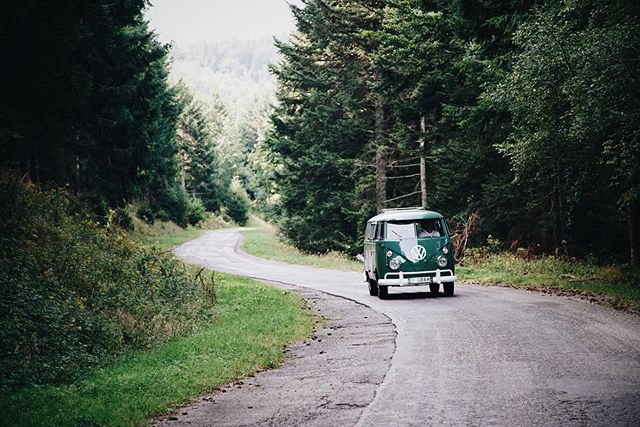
[418, 252]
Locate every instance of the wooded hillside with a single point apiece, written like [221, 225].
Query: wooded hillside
[525, 113]
[87, 104]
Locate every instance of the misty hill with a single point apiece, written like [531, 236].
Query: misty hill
[235, 70]
[244, 58]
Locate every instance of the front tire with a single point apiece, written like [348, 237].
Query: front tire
[434, 288]
[383, 292]
[373, 287]
[448, 289]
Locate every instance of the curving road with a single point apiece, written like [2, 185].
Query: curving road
[488, 356]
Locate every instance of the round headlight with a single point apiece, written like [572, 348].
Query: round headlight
[394, 263]
[442, 261]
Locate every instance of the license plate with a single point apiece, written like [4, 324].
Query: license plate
[416, 280]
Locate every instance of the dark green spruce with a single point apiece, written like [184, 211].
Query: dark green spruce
[522, 113]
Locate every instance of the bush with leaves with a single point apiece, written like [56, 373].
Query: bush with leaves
[171, 204]
[146, 214]
[237, 205]
[195, 211]
[75, 292]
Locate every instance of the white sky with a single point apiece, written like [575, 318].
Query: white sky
[185, 22]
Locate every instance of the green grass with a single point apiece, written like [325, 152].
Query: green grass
[253, 324]
[173, 239]
[166, 234]
[611, 285]
[261, 240]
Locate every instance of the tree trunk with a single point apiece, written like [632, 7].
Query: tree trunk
[26, 170]
[633, 216]
[558, 211]
[423, 164]
[381, 169]
[183, 179]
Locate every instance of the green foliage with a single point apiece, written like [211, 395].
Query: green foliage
[322, 124]
[237, 205]
[200, 170]
[608, 285]
[528, 114]
[102, 117]
[572, 92]
[75, 292]
[120, 218]
[146, 214]
[195, 211]
[171, 204]
[253, 324]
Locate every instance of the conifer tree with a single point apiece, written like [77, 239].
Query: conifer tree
[86, 100]
[197, 133]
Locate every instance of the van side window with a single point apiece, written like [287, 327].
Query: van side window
[447, 227]
[370, 233]
[380, 231]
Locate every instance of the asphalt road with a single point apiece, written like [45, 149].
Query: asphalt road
[487, 356]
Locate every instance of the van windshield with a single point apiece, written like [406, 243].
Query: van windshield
[401, 230]
[430, 228]
[423, 228]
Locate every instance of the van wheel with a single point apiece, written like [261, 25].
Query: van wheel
[434, 288]
[448, 289]
[373, 287]
[383, 292]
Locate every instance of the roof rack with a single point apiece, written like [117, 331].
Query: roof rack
[401, 209]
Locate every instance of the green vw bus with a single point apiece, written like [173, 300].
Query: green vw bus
[408, 247]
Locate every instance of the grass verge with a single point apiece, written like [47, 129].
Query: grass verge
[608, 285]
[261, 240]
[166, 235]
[173, 238]
[253, 324]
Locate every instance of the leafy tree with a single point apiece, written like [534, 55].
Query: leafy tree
[573, 94]
[357, 82]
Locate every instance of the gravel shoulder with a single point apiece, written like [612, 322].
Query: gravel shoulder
[327, 380]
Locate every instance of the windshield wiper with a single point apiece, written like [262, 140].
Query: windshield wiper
[399, 236]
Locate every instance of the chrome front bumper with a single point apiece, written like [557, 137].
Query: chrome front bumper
[402, 279]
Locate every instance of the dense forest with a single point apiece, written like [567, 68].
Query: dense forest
[232, 78]
[517, 119]
[87, 104]
[92, 132]
[521, 116]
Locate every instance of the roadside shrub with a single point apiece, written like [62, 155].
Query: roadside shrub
[195, 211]
[171, 204]
[74, 292]
[237, 205]
[94, 203]
[119, 217]
[146, 214]
[213, 221]
[162, 215]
